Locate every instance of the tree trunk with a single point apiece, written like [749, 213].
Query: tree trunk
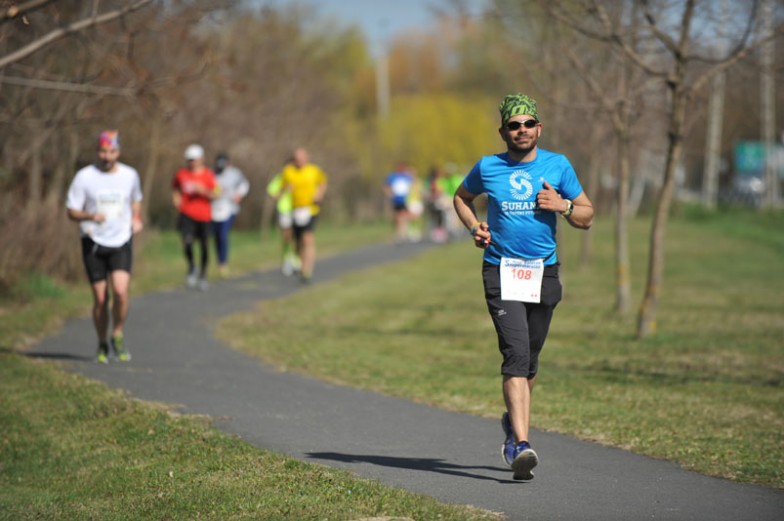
[710, 176]
[621, 123]
[591, 188]
[36, 173]
[151, 168]
[623, 271]
[647, 318]
[768, 102]
[63, 170]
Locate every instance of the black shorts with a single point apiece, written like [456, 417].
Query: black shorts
[399, 206]
[99, 260]
[309, 227]
[521, 326]
[192, 229]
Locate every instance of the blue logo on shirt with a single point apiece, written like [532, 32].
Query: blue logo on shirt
[522, 188]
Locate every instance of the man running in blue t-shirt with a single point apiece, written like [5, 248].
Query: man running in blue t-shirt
[397, 187]
[527, 187]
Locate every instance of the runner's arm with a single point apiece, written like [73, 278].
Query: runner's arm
[582, 215]
[81, 215]
[464, 206]
[137, 224]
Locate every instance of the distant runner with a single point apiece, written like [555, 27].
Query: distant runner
[234, 186]
[290, 261]
[397, 187]
[105, 199]
[193, 189]
[307, 184]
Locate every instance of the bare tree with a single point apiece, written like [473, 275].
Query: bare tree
[60, 32]
[684, 68]
[622, 105]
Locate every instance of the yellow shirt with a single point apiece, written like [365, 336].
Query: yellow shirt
[303, 183]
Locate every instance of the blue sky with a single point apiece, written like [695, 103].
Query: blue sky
[379, 19]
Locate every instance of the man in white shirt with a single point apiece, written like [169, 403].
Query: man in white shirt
[105, 199]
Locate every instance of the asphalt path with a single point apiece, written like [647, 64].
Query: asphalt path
[452, 457]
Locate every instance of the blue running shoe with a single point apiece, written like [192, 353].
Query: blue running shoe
[525, 459]
[507, 449]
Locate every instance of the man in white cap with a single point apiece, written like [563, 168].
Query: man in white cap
[105, 199]
[193, 189]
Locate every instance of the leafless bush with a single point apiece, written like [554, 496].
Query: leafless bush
[36, 239]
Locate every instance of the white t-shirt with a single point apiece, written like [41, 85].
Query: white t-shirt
[232, 183]
[109, 193]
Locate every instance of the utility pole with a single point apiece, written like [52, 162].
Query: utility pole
[382, 85]
[768, 106]
[710, 175]
[382, 73]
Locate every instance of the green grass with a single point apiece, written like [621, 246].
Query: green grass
[706, 392]
[72, 449]
[41, 304]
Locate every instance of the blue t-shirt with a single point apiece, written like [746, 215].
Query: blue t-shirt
[519, 228]
[400, 184]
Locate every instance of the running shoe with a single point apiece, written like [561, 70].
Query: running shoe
[507, 449]
[191, 280]
[118, 344]
[296, 262]
[204, 285]
[525, 459]
[103, 353]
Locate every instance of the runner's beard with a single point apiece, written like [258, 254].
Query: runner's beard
[523, 150]
[520, 148]
[106, 165]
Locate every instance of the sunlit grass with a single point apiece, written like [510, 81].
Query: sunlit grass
[72, 449]
[705, 392]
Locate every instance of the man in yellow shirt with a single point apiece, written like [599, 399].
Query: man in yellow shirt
[307, 184]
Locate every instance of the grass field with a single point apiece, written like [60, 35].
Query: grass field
[72, 449]
[706, 392]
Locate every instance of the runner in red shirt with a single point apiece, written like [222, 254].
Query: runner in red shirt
[193, 189]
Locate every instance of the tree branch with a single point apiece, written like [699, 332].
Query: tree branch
[663, 37]
[66, 86]
[14, 11]
[735, 57]
[610, 35]
[69, 29]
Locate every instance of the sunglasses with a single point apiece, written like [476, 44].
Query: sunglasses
[515, 125]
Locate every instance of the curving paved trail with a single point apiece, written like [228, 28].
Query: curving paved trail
[452, 457]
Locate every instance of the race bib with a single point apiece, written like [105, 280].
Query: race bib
[521, 279]
[302, 216]
[110, 204]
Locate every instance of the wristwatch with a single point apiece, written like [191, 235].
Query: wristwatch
[569, 208]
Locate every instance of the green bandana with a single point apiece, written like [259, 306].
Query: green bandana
[516, 104]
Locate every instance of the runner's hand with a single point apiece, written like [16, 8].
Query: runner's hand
[482, 236]
[548, 199]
